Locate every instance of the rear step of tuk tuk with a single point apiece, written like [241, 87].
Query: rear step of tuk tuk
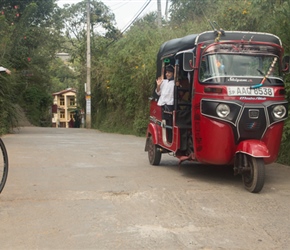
[190, 157]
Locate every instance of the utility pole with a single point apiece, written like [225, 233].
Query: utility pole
[88, 84]
[166, 11]
[159, 15]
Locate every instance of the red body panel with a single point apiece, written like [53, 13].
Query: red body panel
[152, 130]
[213, 141]
[254, 148]
[272, 140]
[155, 129]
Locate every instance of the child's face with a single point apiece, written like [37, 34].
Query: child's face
[169, 74]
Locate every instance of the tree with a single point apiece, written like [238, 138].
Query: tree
[29, 44]
[75, 21]
[182, 11]
[41, 14]
[62, 75]
[103, 33]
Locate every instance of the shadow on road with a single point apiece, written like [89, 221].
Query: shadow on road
[202, 172]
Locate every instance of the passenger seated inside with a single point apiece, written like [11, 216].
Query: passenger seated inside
[183, 90]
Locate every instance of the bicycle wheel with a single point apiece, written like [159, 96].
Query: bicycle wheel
[3, 165]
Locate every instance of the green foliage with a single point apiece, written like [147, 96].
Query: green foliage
[125, 78]
[238, 15]
[15, 9]
[181, 11]
[280, 25]
[8, 115]
[284, 153]
[28, 45]
[74, 18]
[62, 75]
[37, 102]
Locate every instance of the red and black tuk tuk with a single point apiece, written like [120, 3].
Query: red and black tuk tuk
[229, 107]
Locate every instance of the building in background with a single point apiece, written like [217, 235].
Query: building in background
[64, 56]
[64, 108]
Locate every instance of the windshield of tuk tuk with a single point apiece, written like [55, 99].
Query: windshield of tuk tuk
[240, 64]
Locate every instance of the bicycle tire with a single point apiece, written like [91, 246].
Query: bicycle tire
[3, 165]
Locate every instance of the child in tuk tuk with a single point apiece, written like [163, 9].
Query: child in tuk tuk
[165, 90]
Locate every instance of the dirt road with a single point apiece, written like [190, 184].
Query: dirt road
[83, 189]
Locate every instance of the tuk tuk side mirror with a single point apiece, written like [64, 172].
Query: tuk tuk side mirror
[286, 64]
[188, 61]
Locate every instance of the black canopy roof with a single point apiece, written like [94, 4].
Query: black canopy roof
[171, 47]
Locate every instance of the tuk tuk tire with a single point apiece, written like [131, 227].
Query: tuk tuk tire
[255, 178]
[154, 153]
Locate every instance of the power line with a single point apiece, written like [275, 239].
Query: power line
[137, 15]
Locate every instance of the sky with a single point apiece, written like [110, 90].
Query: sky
[125, 10]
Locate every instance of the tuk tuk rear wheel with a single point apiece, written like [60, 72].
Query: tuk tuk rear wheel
[254, 178]
[154, 153]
